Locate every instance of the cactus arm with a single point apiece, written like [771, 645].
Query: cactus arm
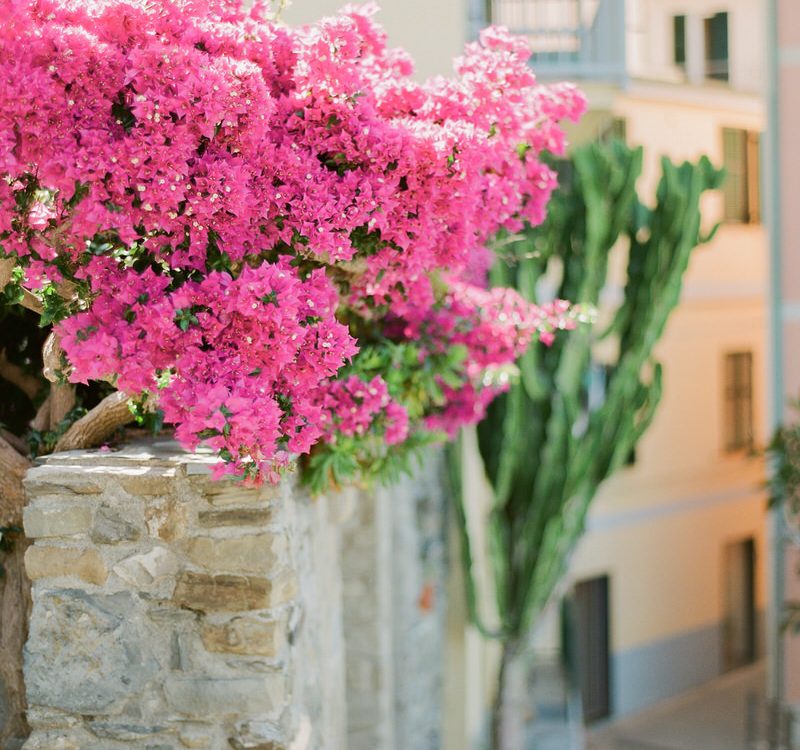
[545, 454]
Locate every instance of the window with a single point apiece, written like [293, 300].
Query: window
[739, 645]
[716, 32]
[591, 645]
[741, 189]
[679, 41]
[738, 401]
[615, 129]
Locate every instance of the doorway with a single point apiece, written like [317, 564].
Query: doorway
[591, 638]
[739, 613]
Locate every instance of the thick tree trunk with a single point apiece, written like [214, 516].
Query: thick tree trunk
[15, 603]
[12, 469]
[17, 443]
[27, 383]
[98, 425]
[15, 598]
[41, 421]
[6, 268]
[510, 704]
[62, 402]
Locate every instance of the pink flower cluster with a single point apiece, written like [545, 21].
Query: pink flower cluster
[352, 407]
[225, 190]
[495, 327]
[225, 372]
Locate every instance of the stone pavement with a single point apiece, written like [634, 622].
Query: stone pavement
[711, 717]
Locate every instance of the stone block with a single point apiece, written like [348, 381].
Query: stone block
[210, 593]
[259, 735]
[245, 635]
[57, 480]
[141, 482]
[87, 652]
[226, 492]
[229, 593]
[41, 716]
[195, 737]
[56, 739]
[209, 519]
[53, 562]
[254, 553]
[66, 520]
[167, 518]
[221, 696]
[111, 526]
[166, 613]
[124, 730]
[144, 569]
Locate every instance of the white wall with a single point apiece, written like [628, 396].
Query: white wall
[650, 35]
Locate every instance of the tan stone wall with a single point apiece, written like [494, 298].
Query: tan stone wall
[171, 611]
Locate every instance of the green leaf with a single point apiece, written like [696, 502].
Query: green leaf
[122, 113]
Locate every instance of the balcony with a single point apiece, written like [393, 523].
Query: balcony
[570, 39]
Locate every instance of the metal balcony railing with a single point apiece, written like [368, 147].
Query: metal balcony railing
[570, 39]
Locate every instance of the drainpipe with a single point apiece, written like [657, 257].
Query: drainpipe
[775, 638]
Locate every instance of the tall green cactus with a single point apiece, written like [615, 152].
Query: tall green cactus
[546, 449]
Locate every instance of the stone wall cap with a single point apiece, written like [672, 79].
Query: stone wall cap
[130, 459]
[153, 452]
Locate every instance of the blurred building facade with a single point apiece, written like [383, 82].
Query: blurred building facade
[671, 575]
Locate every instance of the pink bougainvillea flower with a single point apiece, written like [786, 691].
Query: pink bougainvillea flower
[243, 208]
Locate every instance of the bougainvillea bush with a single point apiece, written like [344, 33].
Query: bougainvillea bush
[273, 237]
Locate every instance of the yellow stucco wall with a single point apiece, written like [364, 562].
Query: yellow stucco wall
[661, 525]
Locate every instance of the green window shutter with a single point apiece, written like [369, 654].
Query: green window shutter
[679, 40]
[716, 29]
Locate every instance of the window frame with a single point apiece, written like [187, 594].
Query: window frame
[738, 401]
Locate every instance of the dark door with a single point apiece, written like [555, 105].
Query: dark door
[739, 625]
[591, 638]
